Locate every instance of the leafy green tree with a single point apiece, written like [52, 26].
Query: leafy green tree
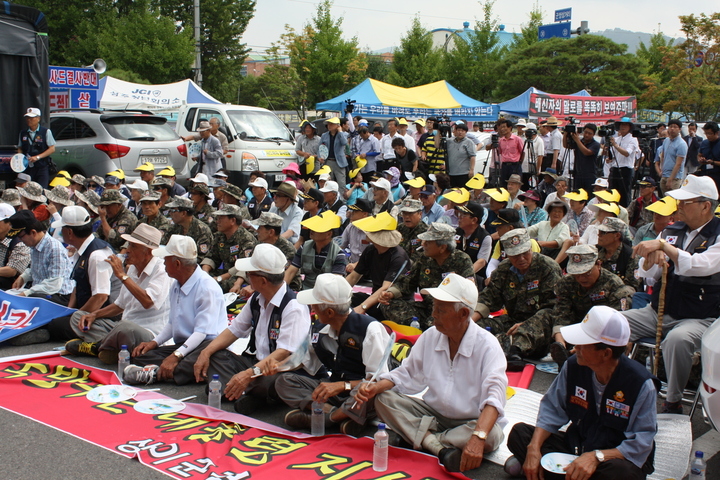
[691, 90]
[416, 62]
[473, 67]
[377, 67]
[564, 66]
[529, 31]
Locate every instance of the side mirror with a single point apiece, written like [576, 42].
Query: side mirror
[242, 135]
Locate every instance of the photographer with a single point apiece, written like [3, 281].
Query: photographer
[534, 152]
[709, 153]
[620, 152]
[586, 150]
[433, 148]
[552, 151]
[461, 156]
[672, 158]
[510, 149]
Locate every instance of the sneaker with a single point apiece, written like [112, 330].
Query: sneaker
[352, 428]
[134, 375]
[77, 346]
[513, 467]
[672, 407]
[514, 359]
[39, 335]
[450, 458]
[108, 357]
[395, 440]
[297, 419]
[248, 404]
[559, 354]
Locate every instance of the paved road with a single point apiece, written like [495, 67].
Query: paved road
[32, 451]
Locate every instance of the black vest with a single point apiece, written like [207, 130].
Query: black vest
[39, 145]
[623, 260]
[692, 297]
[471, 245]
[347, 362]
[273, 324]
[83, 290]
[592, 431]
[256, 208]
[387, 206]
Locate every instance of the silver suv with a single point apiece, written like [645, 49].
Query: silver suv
[93, 142]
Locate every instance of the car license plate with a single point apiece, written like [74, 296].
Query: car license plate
[280, 178]
[163, 159]
[278, 153]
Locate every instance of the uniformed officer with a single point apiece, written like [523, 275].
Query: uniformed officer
[522, 285]
[162, 187]
[233, 195]
[185, 223]
[115, 219]
[587, 284]
[506, 219]
[200, 194]
[473, 239]
[229, 243]
[439, 259]
[411, 226]
[260, 201]
[150, 204]
[616, 255]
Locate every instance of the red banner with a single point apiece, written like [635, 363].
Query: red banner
[199, 442]
[584, 109]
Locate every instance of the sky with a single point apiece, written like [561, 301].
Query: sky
[380, 24]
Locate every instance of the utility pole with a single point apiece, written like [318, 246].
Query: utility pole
[198, 59]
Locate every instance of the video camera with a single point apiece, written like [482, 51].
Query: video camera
[530, 132]
[606, 131]
[495, 140]
[645, 134]
[350, 105]
[443, 125]
[571, 125]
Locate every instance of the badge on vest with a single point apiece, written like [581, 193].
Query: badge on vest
[597, 296]
[204, 248]
[234, 248]
[580, 397]
[671, 239]
[474, 244]
[351, 343]
[618, 409]
[415, 241]
[315, 337]
[535, 284]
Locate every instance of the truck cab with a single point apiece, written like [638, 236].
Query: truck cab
[257, 139]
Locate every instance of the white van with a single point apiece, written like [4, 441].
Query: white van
[257, 139]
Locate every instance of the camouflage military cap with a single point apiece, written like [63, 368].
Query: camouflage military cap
[150, 196]
[229, 210]
[612, 224]
[97, 179]
[200, 188]
[91, 199]
[11, 197]
[268, 219]
[438, 231]
[516, 242]
[161, 182]
[233, 190]
[183, 203]
[581, 259]
[78, 179]
[410, 205]
[33, 191]
[112, 196]
[59, 194]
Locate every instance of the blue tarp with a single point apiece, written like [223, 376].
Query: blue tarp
[520, 105]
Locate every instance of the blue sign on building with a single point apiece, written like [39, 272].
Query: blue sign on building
[73, 87]
[563, 15]
[561, 30]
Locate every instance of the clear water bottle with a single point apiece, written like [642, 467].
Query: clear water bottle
[215, 392]
[697, 467]
[318, 419]
[415, 323]
[123, 361]
[380, 449]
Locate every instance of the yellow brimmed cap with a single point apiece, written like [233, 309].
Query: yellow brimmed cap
[377, 223]
[579, 195]
[609, 207]
[334, 120]
[477, 182]
[323, 169]
[666, 206]
[611, 196]
[498, 194]
[417, 182]
[324, 222]
[457, 195]
[145, 167]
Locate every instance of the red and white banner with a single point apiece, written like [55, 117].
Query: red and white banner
[583, 109]
[199, 442]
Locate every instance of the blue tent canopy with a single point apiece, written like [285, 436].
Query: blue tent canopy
[379, 99]
[520, 105]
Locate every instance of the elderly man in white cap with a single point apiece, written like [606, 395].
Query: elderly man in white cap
[691, 248]
[197, 316]
[461, 415]
[143, 302]
[351, 346]
[609, 399]
[275, 323]
[382, 197]
[37, 143]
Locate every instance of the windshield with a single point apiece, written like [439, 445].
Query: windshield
[139, 129]
[258, 124]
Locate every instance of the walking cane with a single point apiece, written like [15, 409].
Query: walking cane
[661, 313]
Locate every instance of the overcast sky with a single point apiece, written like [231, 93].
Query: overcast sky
[380, 24]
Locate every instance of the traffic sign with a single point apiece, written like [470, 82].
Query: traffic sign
[699, 58]
[561, 30]
[563, 15]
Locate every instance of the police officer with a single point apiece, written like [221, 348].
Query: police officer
[115, 219]
[616, 255]
[411, 213]
[37, 143]
[185, 223]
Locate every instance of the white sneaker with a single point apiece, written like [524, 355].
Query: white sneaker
[135, 375]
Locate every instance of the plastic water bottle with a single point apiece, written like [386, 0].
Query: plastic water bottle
[318, 419]
[214, 392]
[415, 323]
[123, 361]
[697, 467]
[380, 449]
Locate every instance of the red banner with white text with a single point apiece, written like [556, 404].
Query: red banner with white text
[200, 442]
[584, 109]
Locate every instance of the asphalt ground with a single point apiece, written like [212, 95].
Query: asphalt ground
[33, 451]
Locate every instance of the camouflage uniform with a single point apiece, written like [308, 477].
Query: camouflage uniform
[527, 301]
[425, 273]
[224, 251]
[122, 223]
[205, 216]
[410, 242]
[199, 232]
[573, 302]
[161, 223]
[611, 264]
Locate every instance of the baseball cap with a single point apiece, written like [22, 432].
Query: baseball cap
[149, 196]
[73, 216]
[666, 206]
[112, 180]
[265, 258]
[138, 185]
[314, 194]
[330, 186]
[183, 203]
[401, 121]
[581, 258]
[382, 183]
[200, 178]
[695, 186]
[438, 231]
[32, 112]
[329, 289]
[647, 181]
[259, 182]
[609, 207]
[612, 224]
[454, 288]
[6, 211]
[602, 324]
[229, 210]
[119, 173]
[601, 182]
[516, 242]
[428, 190]
[22, 178]
[410, 205]
[474, 209]
[379, 222]
[361, 205]
[324, 169]
[111, 196]
[267, 219]
[550, 172]
[476, 182]
[145, 235]
[180, 246]
[324, 222]
[506, 216]
[167, 172]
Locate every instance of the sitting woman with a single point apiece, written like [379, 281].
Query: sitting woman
[552, 233]
[531, 208]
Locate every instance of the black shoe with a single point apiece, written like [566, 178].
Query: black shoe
[354, 429]
[559, 354]
[450, 458]
[77, 346]
[513, 467]
[395, 440]
[514, 359]
[39, 335]
[295, 418]
[248, 404]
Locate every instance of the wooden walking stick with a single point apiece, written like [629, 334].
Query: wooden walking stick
[661, 313]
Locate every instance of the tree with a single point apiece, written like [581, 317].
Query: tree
[560, 65]
[688, 89]
[416, 62]
[529, 31]
[377, 67]
[473, 65]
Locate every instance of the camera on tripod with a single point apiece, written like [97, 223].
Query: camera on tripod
[645, 134]
[350, 105]
[571, 126]
[495, 140]
[606, 131]
[443, 125]
[530, 132]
